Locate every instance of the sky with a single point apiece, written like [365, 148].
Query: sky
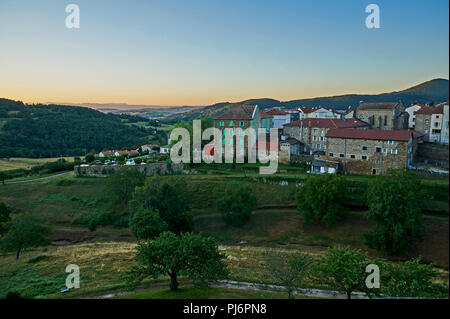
[199, 52]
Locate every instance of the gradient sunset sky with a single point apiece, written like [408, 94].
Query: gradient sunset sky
[198, 52]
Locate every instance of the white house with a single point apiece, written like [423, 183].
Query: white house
[319, 112]
[411, 110]
[164, 149]
[279, 118]
[148, 147]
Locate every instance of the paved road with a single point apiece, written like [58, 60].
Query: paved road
[38, 179]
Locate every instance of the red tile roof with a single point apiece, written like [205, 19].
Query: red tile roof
[277, 112]
[265, 115]
[331, 123]
[385, 135]
[439, 109]
[108, 153]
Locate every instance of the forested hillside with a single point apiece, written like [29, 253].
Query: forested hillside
[54, 130]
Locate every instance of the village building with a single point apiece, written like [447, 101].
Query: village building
[290, 148]
[411, 110]
[148, 147]
[164, 149]
[371, 152]
[279, 118]
[311, 132]
[432, 122]
[126, 153]
[294, 113]
[106, 153]
[319, 112]
[383, 115]
[242, 117]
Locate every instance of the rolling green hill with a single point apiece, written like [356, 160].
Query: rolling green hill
[54, 130]
[436, 90]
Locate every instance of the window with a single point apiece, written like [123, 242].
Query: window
[352, 156]
[331, 154]
[230, 132]
[222, 131]
[427, 122]
[364, 157]
[341, 155]
[378, 149]
[315, 131]
[364, 148]
[241, 123]
[436, 124]
[222, 123]
[385, 150]
[231, 123]
[394, 151]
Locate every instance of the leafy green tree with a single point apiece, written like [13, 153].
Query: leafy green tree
[191, 255]
[146, 224]
[289, 269]
[89, 158]
[121, 184]
[322, 199]
[411, 279]
[343, 270]
[395, 202]
[237, 204]
[164, 198]
[26, 231]
[4, 217]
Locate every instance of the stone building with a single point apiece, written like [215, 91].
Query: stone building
[371, 152]
[290, 148]
[383, 115]
[311, 132]
[432, 122]
[242, 117]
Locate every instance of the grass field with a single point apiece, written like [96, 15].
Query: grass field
[23, 162]
[106, 254]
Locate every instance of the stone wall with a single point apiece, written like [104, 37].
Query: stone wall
[149, 169]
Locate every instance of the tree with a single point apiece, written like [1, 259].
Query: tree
[411, 279]
[121, 184]
[322, 199]
[4, 218]
[173, 208]
[89, 158]
[289, 269]
[146, 224]
[237, 204]
[395, 205]
[343, 270]
[192, 255]
[26, 231]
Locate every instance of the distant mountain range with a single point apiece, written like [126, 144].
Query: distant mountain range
[436, 90]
